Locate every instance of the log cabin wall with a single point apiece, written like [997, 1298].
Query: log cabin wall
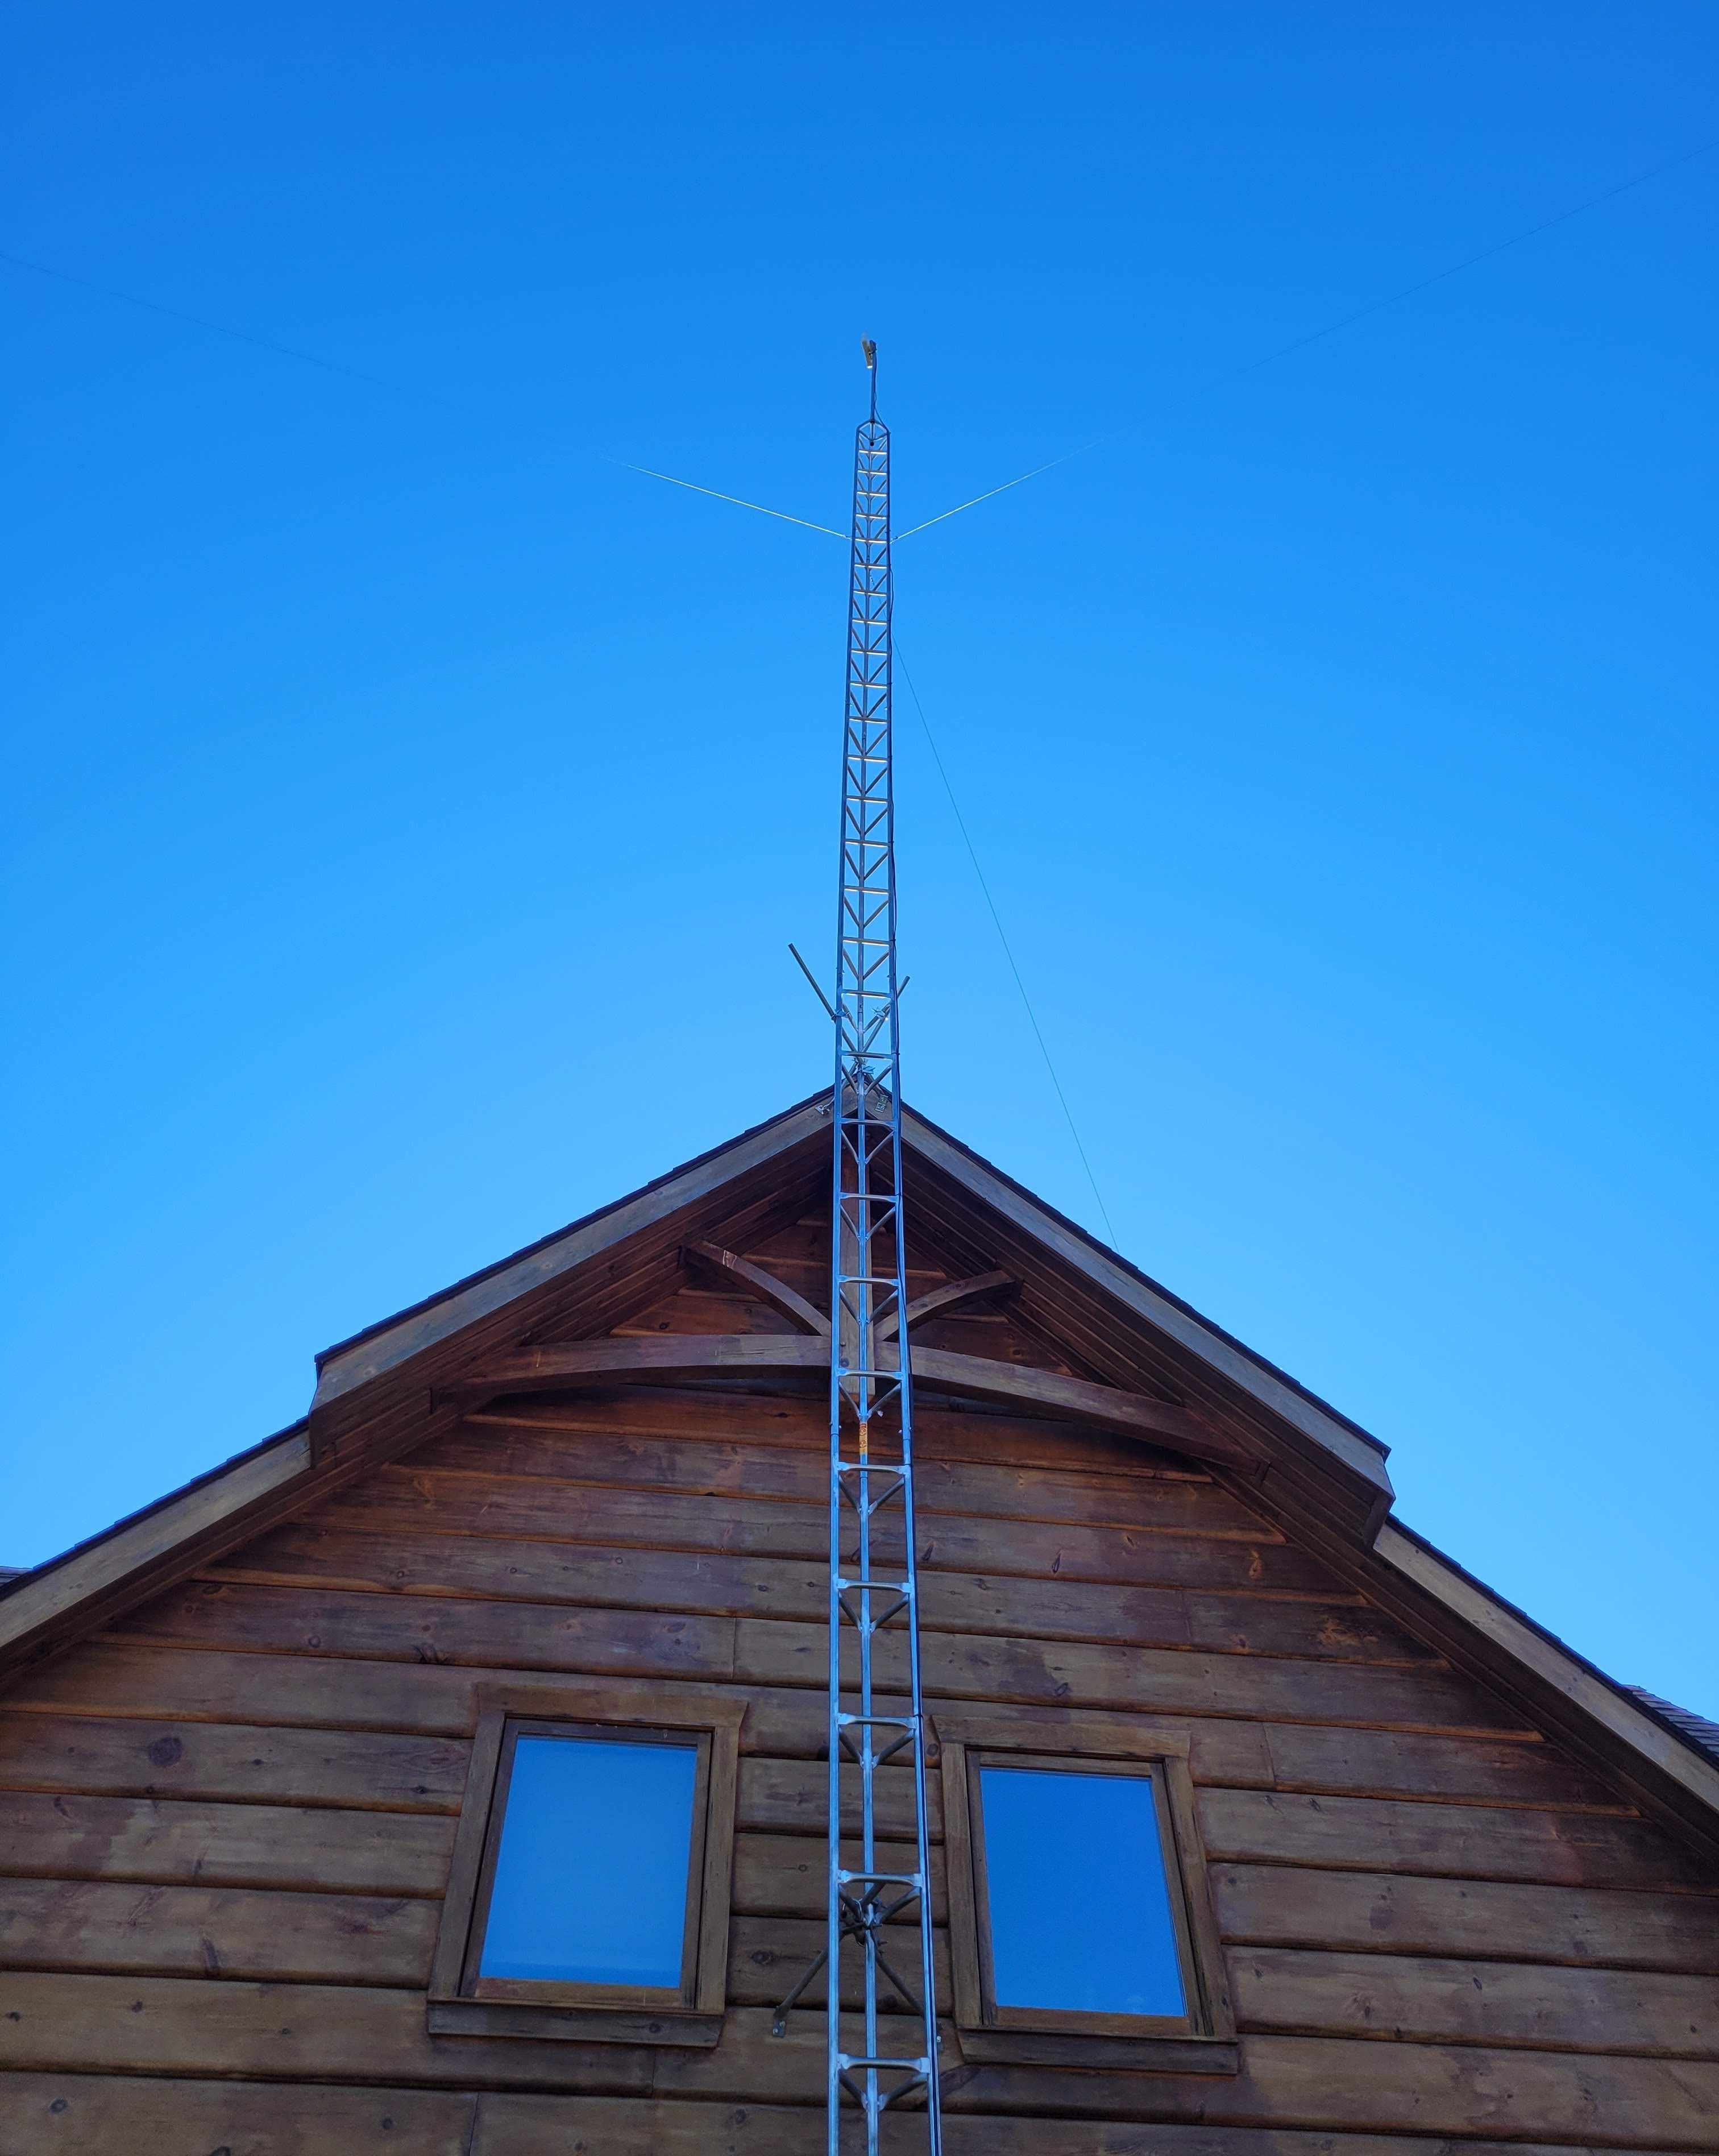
[228, 1819]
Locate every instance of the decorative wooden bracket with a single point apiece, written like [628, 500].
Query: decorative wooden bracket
[556, 1368]
[949, 1297]
[765, 1286]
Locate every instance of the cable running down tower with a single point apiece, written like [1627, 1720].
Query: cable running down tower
[873, 1576]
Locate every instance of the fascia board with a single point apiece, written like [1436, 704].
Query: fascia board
[344, 1370]
[1554, 1665]
[44, 1601]
[1354, 1454]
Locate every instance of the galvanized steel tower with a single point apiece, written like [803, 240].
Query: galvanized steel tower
[876, 1706]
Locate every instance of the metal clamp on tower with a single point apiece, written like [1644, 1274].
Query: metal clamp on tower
[876, 1718]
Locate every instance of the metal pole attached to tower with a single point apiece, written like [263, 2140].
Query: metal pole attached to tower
[876, 1704]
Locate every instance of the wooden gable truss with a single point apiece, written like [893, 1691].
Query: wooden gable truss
[1094, 1343]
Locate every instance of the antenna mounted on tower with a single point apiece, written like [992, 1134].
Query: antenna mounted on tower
[871, 1499]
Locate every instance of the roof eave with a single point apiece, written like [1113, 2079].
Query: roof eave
[394, 1340]
[1352, 1450]
[1601, 1699]
[45, 1610]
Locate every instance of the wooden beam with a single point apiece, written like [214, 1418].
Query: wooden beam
[949, 1297]
[551, 1368]
[347, 1368]
[1552, 1663]
[1134, 1415]
[1226, 1359]
[765, 1286]
[51, 1606]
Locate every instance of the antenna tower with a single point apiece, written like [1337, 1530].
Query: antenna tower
[871, 1511]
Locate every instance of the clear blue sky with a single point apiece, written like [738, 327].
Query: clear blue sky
[410, 808]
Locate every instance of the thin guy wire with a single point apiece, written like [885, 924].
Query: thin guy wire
[1002, 938]
[197, 322]
[1263, 359]
[1486, 253]
[1360, 315]
[374, 380]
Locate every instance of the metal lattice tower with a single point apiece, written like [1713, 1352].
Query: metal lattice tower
[873, 1579]
[874, 1589]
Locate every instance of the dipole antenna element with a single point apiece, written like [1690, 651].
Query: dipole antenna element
[879, 1914]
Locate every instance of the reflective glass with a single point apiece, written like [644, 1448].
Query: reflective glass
[591, 1878]
[1080, 1907]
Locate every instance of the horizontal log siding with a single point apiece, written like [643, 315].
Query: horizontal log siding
[162, 2117]
[225, 1827]
[345, 2033]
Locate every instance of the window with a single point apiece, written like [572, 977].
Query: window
[589, 1894]
[1081, 1932]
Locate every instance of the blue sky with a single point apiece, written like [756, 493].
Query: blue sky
[410, 808]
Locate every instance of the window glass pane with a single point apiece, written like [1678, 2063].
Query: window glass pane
[1080, 1906]
[591, 1878]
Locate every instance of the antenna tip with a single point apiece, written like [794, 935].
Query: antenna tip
[869, 347]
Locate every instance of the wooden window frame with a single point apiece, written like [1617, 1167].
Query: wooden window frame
[461, 2002]
[1203, 2040]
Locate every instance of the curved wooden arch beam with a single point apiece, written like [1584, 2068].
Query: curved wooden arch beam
[765, 1286]
[553, 1367]
[950, 1296]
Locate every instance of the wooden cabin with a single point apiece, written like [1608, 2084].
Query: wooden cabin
[1438, 1883]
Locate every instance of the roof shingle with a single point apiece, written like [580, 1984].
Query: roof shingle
[1694, 1726]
